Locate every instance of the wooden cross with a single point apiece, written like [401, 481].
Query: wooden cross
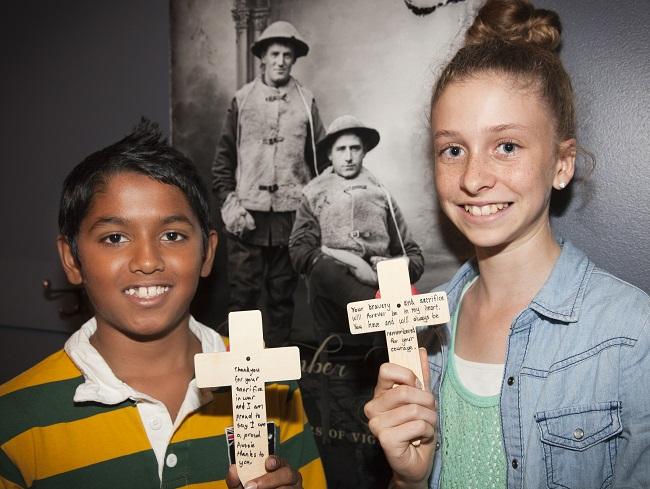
[246, 367]
[398, 314]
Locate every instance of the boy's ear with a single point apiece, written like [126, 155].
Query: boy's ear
[566, 163]
[70, 265]
[210, 250]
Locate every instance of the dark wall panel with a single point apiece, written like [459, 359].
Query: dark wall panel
[76, 76]
[606, 49]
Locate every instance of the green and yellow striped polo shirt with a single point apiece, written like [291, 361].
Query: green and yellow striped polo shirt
[49, 441]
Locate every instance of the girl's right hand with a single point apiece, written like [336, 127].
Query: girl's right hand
[399, 413]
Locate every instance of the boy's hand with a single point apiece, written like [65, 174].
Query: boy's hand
[399, 413]
[278, 475]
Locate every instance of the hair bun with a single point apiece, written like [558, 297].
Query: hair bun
[515, 21]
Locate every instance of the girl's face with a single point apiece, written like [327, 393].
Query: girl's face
[497, 159]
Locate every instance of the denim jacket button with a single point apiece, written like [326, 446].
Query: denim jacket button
[578, 434]
[515, 463]
[511, 380]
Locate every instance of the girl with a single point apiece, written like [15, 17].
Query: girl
[541, 374]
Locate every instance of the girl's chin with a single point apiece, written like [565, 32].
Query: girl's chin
[486, 240]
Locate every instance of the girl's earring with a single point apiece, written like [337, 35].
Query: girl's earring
[562, 185]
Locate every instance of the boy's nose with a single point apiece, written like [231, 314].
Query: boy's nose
[146, 258]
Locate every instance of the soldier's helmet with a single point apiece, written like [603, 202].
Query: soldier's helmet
[347, 124]
[280, 31]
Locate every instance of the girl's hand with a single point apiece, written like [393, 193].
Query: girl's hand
[399, 413]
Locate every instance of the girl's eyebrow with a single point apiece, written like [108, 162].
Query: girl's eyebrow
[505, 127]
[442, 133]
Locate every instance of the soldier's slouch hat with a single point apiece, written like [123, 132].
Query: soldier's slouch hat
[347, 124]
[280, 31]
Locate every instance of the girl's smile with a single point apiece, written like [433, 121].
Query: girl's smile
[496, 159]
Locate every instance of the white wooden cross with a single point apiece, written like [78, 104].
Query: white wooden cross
[398, 314]
[246, 367]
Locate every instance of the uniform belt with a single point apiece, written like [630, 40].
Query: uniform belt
[274, 140]
[273, 98]
[270, 188]
[354, 187]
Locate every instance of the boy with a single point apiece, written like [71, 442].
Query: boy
[118, 406]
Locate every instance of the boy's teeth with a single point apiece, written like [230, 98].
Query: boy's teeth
[485, 210]
[146, 292]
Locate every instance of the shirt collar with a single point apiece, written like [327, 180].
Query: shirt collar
[101, 384]
[281, 89]
[560, 297]
[465, 274]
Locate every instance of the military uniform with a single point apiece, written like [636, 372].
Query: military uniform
[348, 214]
[265, 156]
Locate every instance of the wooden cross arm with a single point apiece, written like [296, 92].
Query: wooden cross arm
[385, 314]
[218, 369]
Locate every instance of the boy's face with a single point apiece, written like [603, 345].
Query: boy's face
[140, 256]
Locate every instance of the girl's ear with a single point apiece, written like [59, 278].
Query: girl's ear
[566, 163]
[213, 240]
[70, 264]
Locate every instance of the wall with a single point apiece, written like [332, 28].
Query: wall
[606, 50]
[77, 76]
[204, 77]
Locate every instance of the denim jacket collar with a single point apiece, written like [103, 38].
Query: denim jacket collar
[561, 296]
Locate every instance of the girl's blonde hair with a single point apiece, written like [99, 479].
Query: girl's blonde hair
[514, 38]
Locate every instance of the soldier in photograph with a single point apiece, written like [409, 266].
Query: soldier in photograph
[264, 158]
[347, 222]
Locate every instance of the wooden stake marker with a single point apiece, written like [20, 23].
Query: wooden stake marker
[246, 367]
[398, 314]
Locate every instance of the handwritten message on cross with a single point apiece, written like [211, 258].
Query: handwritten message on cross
[398, 314]
[246, 367]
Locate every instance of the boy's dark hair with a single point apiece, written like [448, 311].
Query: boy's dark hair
[144, 151]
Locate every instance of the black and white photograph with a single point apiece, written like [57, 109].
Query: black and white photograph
[169, 165]
[362, 65]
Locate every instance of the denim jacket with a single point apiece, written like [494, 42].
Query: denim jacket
[575, 396]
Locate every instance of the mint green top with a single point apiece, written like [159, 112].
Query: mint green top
[473, 456]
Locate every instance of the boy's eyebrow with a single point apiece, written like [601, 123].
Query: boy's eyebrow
[114, 220]
[177, 218]
[108, 220]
